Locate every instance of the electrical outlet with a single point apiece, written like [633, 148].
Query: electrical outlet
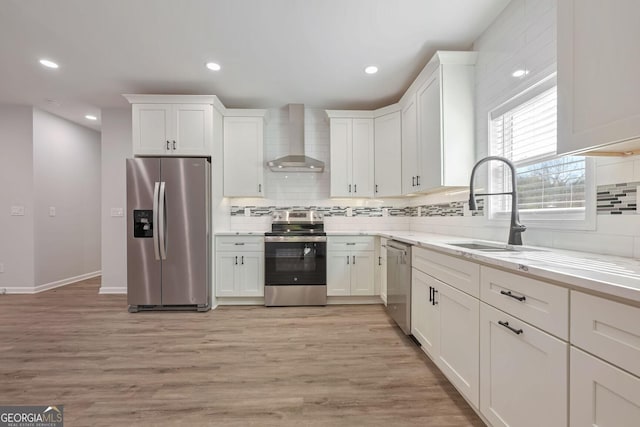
[117, 212]
[247, 211]
[349, 212]
[17, 210]
[52, 211]
[385, 211]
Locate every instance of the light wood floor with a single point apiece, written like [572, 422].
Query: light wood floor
[236, 366]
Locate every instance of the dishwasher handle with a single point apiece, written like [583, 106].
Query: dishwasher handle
[402, 258]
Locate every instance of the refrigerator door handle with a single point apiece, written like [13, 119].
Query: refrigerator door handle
[156, 248]
[162, 226]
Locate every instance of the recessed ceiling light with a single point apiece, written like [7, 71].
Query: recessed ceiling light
[520, 73]
[213, 66]
[371, 69]
[90, 117]
[48, 64]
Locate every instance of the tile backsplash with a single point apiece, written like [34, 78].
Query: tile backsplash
[617, 199]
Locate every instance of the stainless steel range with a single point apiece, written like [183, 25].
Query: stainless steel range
[295, 260]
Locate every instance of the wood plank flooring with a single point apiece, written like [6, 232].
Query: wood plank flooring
[234, 366]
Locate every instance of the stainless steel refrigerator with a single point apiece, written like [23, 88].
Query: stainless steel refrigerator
[168, 233]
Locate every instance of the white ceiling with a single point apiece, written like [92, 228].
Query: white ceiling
[272, 52]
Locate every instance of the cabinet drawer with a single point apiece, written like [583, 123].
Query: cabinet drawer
[350, 243]
[239, 243]
[607, 329]
[542, 304]
[460, 274]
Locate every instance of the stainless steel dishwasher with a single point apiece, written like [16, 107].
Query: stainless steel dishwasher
[399, 284]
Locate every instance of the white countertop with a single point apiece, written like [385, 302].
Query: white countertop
[608, 275]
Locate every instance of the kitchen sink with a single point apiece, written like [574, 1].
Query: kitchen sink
[483, 247]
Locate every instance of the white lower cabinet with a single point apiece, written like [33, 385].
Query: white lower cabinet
[350, 273]
[445, 321]
[523, 373]
[601, 394]
[239, 266]
[240, 274]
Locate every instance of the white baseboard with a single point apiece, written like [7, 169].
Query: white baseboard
[66, 281]
[107, 290]
[240, 301]
[354, 300]
[48, 286]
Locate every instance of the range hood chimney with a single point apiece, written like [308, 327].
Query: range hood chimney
[296, 161]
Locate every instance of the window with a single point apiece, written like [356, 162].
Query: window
[550, 187]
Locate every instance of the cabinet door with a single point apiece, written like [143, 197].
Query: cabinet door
[362, 281]
[424, 319]
[362, 158]
[409, 146]
[338, 273]
[243, 165]
[388, 155]
[459, 336]
[341, 149]
[383, 270]
[152, 129]
[251, 277]
[193, 129]
[602, 395]
[523, 376]
[226, 280]
[429, 134]
[598, 69]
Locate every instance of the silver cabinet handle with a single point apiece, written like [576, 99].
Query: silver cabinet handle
[156, 244]
[168, 145]
[162, 208]
[242, 262]
[376, 188]
[418, 180]
[259, 188]
[355, 188]
[347, 259]
[239, 244]
[349, 188]
[354, 260]
[236, 262]
[174, 144]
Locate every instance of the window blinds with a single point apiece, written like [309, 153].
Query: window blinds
[526, 133]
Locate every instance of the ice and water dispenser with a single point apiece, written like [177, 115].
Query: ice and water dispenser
[143, 223]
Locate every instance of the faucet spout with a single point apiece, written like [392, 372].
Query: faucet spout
[516, 229]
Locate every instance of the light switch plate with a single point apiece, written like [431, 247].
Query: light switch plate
[1, 267]
[117, 212]
[52, 211]
[17, 210]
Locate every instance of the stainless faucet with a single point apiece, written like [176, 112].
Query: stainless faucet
[516, 229]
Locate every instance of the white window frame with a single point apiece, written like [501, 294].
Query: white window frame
[559, 219]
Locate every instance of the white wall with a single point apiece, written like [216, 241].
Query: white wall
[305, 189]
[16, 189]
[524, 36]
[116, 146]
[66, 159]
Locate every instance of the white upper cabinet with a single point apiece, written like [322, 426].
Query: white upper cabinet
[409, 145]
[438, 124]
[388, 155]
[172, 125]
[598, 69]
[446, 150]
[352, 155]
[243, 156]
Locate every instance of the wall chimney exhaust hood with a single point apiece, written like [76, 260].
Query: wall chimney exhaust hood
[296, 161]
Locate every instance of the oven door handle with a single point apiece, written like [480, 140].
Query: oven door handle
[294, 239]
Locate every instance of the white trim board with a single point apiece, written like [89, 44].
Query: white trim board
[48, 286]
[111, 290]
